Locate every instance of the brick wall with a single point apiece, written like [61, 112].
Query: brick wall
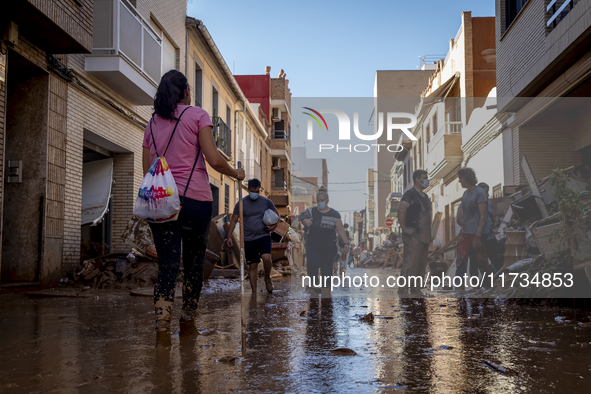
[87, 113]
[74, 19]
[56, 157]
[124, 193]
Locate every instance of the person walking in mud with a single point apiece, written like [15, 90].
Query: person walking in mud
[257, 235]
[414, 217]
[472, 215]
[183, 134]
[321, 245]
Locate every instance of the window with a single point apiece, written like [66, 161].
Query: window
[279, 181]
[512, 9]
[214, 102]
[227, 198]
[198, 86]
[435, 128]
[228, 117]
[428, 133]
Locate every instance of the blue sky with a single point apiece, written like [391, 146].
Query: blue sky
[332, 49]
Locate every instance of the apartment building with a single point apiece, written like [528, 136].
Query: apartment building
[543, 83]
[273, 97]
[394, 91]
[34, 94]
[74, 133]
[110, 100]
[451, 119]
[237, 128]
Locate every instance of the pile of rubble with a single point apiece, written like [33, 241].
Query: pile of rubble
[527, 234]
[140, 267]
[115, 271]
[387, 255]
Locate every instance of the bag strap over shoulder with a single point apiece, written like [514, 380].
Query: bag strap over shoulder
[171, 135]
[192, 170]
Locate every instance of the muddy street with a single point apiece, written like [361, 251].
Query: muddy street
[105, 343]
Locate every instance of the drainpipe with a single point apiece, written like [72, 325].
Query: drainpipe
[236, 130]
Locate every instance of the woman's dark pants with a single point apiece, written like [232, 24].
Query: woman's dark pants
[191, 229]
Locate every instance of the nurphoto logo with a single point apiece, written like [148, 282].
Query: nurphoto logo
[392, 120]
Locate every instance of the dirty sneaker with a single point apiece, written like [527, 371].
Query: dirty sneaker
[269, 284]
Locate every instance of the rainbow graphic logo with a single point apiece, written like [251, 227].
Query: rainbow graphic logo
[315, 118]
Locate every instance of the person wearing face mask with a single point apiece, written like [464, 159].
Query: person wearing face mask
[321, 245]
[414, 217]
[257, 235]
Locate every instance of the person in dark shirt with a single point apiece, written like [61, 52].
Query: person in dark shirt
[257, 235]
[321, 244]
[414, 217]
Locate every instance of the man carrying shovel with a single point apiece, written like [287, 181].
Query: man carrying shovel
[257, 235]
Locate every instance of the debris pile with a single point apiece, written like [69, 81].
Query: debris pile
[140, 267]
[387, 255]
[115, 271]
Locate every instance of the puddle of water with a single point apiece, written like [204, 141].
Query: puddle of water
[107, 345]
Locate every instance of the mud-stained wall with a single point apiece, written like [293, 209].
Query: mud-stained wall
[26, 140]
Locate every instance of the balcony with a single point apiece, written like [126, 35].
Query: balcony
[126, 53]
[280, 135]
[223, 137]
[445, 152]
[280, 144]
[252, 169]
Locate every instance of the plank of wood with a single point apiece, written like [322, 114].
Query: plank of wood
[531, 180]
[446, 246]
[435, 224]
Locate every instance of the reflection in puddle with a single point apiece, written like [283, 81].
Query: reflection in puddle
[295, 344]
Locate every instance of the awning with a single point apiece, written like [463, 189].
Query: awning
[438, 94]
[443, 90]
[97, 178]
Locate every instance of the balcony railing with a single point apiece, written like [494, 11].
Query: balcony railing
[119, 30]
[280, 135]
[222, 136]
[557, 10]
[252, 169]
[453, 127]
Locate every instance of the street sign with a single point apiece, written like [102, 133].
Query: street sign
[389, 222]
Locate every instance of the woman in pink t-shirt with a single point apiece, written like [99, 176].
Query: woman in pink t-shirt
[183, 134]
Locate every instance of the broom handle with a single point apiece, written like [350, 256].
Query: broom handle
[242, 263]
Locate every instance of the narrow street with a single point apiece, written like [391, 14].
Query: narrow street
[105, 342]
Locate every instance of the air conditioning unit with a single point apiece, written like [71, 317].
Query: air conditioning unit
[276, 114]
[277, 164]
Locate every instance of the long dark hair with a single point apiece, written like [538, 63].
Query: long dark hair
[170, 92]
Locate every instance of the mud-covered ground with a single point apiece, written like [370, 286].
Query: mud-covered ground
[105, 343]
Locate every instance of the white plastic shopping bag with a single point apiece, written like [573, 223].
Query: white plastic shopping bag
[158, 198]
[270, 217]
